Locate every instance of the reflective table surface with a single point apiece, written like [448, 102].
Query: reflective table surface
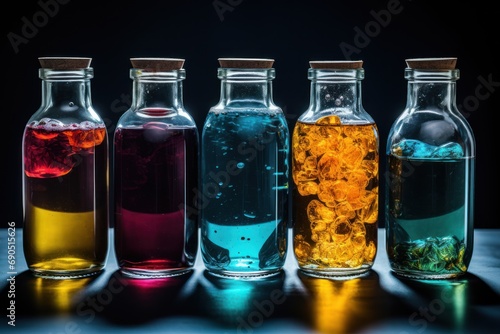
[290, 302]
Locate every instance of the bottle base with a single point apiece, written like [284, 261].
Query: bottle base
[251, 275]
[151, 274]
[66, 274]
[426, 276]
[336, 273]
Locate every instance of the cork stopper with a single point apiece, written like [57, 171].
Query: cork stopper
[432, 63]
[336, 64]
[64, 63]
[157, 64]
[246, 62]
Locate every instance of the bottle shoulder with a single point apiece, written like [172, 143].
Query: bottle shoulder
[67, 115]
[432, 128]
[344, 115]
[133, 117]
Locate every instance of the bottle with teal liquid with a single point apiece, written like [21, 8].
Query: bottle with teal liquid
[430, 177]
[244, 174]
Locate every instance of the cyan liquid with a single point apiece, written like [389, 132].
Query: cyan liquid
[244, 192]
[429, 216]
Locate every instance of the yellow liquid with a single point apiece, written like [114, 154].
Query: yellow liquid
[335, 172]
[62, 243]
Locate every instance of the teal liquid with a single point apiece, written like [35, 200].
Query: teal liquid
[429, 216]
[244, 192]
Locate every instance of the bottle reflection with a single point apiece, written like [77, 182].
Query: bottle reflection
[137, 301]
[346, 306]
[50, 296]
[444, 303]
[241, 304]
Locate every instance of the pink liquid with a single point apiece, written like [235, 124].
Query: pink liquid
[154, 241]
[155, 174]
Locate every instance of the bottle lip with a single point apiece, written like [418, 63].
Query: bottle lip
[412, 74]
[246, 74]
[65, 68]
[66, 74]
[336, 70]
[335, 74]
[157, 76]
[434, 69]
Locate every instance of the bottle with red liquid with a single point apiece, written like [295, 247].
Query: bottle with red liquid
[65, 175]
[156, 174]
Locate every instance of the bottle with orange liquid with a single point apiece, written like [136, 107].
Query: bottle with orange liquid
[335, 159]
[65, 175]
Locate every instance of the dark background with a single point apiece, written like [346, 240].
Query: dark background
[291, 32]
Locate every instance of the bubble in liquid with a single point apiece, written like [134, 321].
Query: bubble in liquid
[316, 211]
[302, 250]
[155, 132]
[329, 120]
[340, 229]
[307, 188]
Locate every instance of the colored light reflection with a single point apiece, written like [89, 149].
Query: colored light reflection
[59, 296]
[135, 301]
[447, 303]
[240, 303]
[344, 306]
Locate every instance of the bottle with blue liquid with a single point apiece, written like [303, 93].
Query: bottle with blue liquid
[430, 177]
[244, 174]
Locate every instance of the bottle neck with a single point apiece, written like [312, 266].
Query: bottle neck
[336, 91]
[331, 95]
[434, 91]
[66, 90]
[246, 88]
[157, 91]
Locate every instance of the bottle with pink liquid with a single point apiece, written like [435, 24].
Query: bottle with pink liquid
[155, 174]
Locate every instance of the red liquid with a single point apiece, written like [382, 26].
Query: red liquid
[54, 151]
[156, 177]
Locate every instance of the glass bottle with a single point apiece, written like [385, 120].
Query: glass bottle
[65, 175]
[156, 174]
[430, 177]
[335, 158]
[244, 174]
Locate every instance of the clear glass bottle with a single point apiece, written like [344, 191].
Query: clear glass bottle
[65, 175]
[244, 174]
[430, 177]
[156, 174]
[335, 158]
